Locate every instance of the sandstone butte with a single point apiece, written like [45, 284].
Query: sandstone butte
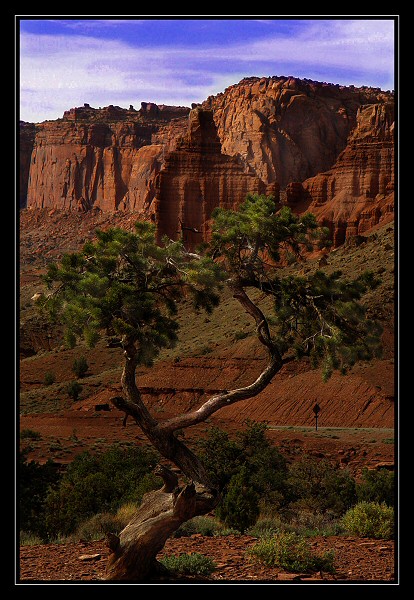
[315, 146]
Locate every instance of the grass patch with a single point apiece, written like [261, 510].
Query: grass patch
[189, 564]
[29, 539]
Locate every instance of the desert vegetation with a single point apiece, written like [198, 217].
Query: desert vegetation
[126, 285]
[86, 501]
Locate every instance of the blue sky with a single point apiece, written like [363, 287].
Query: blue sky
[66, 61]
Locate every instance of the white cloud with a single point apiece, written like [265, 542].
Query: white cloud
[58, 72]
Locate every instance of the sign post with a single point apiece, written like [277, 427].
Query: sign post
[316, 410]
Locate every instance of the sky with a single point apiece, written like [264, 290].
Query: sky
[66, 61]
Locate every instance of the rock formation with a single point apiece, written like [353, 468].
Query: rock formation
[27, 138]
[357, 193]
[325, 147]
[288, 129]
[98, 158]
[196, 178]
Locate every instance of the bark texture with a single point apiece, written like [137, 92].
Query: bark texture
[133, 554]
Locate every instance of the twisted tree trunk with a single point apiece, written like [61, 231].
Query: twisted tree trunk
[133, 554]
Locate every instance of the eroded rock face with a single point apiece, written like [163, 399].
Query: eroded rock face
[325, 147]
[357, 193]
[27, 138]
[98, 158]
[287, 129]
[196, 178]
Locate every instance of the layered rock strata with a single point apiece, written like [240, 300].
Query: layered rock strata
[288, 129]
[196, 178]
[357, 193]
[99, 158]
[325, 147]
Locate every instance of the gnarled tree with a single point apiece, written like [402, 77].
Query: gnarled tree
[126, 285]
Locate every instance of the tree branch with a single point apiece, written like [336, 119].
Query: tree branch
[217, 402]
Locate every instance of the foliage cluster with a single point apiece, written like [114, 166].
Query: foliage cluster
[53, 504]
[291, 552]
[35, 482]
[189, 564]
[80, 367]
[128, 285]
[370, 519]
[100, 491]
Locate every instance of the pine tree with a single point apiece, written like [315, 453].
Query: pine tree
[126, 285]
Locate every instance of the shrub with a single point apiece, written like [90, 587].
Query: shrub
[317, 485]
[189, 564]
[99, 483]
[241, 335]
[240, 506]
[50, 378]
[30, 434]
[73, 390]
[370, 519]
[97, 526]
[308, 523]
[80, 366]
[220, 455]
[35, 482]
[207, 526]
[376, 486]
[265, 528]
[292, 553]
[266, 468]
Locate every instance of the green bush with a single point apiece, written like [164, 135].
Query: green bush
[96, 527]
[189, 564]
[80, 366]
[50, 378]
[291, 552]
[240, 506]
[73, 389]
[265, 467]
[370, 519]
[265, 528]
[36, 481]
[376, 486]
[309, 523]
[207, 526]
[99, 483]
[317, 485]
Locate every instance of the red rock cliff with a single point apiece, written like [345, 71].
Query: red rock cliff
[103, 158]
[271, 133]
[357, 193]
[27, 138]
[288, 129]
[196, 178]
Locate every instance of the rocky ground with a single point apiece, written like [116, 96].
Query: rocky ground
[356, 559]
